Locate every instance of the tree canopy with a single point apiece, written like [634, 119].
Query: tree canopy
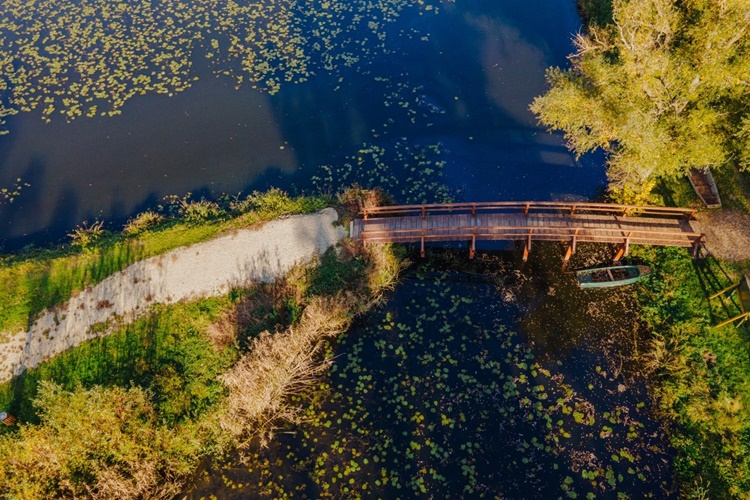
[662, 87]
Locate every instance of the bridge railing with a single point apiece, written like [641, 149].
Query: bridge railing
[563, 234]
[528, 207]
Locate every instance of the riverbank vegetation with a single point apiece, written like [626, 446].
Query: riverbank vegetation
[701, 374]
[659, 88]
[39, 278]
[133, 414]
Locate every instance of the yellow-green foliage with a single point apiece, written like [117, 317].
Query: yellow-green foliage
[98, 442]
[283, 365]
[89, 57]
[141, 222]
[659, 88]
[85, 235]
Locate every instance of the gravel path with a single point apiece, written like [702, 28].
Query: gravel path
[205, 269]
[727, 233]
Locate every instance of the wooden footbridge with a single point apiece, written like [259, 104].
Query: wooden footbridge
[569, 223]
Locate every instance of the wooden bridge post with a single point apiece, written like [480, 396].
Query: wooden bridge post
[421, 251]
[527, 246]
[473, 247]
[619, 254]
[697, 246]
[626, 245]
[570, 250]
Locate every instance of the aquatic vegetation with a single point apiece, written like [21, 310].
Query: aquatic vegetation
[142, 222]
[9, 194]
[433, 396]
[89, 58]
[412, 174]
[86, 235]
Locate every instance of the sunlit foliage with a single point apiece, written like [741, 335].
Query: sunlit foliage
[662, 88]
[99, 443]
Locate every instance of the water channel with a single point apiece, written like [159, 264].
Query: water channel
[460, 386]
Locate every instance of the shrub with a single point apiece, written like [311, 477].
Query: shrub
[142, 222]
[85, 236]
[192, 210]
[197, 211]
[97, 443]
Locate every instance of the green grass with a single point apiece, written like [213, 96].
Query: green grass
[40, 278]
[734, 188]
[166, 352]
[702, 373]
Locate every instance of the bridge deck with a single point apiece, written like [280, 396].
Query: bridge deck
[564, 222]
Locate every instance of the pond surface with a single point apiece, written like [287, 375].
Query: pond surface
[434, 396]
[441, 112]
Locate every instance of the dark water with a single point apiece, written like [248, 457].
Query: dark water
[465, 89]
[435, 396]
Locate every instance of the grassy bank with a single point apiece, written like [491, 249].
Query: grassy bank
[132, 415]
[701, 374]
[36, 279]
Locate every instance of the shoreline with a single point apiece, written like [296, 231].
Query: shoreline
[204, 269]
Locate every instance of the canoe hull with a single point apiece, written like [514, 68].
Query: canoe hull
[611, 276]
[704, 186]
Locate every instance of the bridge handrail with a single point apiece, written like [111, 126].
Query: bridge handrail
[550, 231]
[527, 207]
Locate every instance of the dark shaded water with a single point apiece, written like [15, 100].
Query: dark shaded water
[460, 80]
[434, 396]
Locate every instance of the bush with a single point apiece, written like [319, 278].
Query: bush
[192, 210]
[198, 211]
[142, 222]
[97, 443]
[85, 236]
[701, 380]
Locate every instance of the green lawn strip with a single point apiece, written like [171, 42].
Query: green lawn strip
[702, 378]
[166, 352]
[40, 278]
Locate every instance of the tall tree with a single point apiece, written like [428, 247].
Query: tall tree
[663, 87]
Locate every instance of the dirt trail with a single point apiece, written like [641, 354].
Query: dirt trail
[205, 269]
[727, 233]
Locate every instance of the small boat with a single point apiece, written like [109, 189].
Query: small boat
[610, 276]
[705, 187]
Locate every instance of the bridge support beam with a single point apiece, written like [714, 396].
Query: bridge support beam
[624, 248]
[697, 247]
[473, 245]
[527, 246]
[620, 253]
[421, 248]
[570, 250]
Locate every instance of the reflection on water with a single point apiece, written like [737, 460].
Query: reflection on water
[461, 79]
